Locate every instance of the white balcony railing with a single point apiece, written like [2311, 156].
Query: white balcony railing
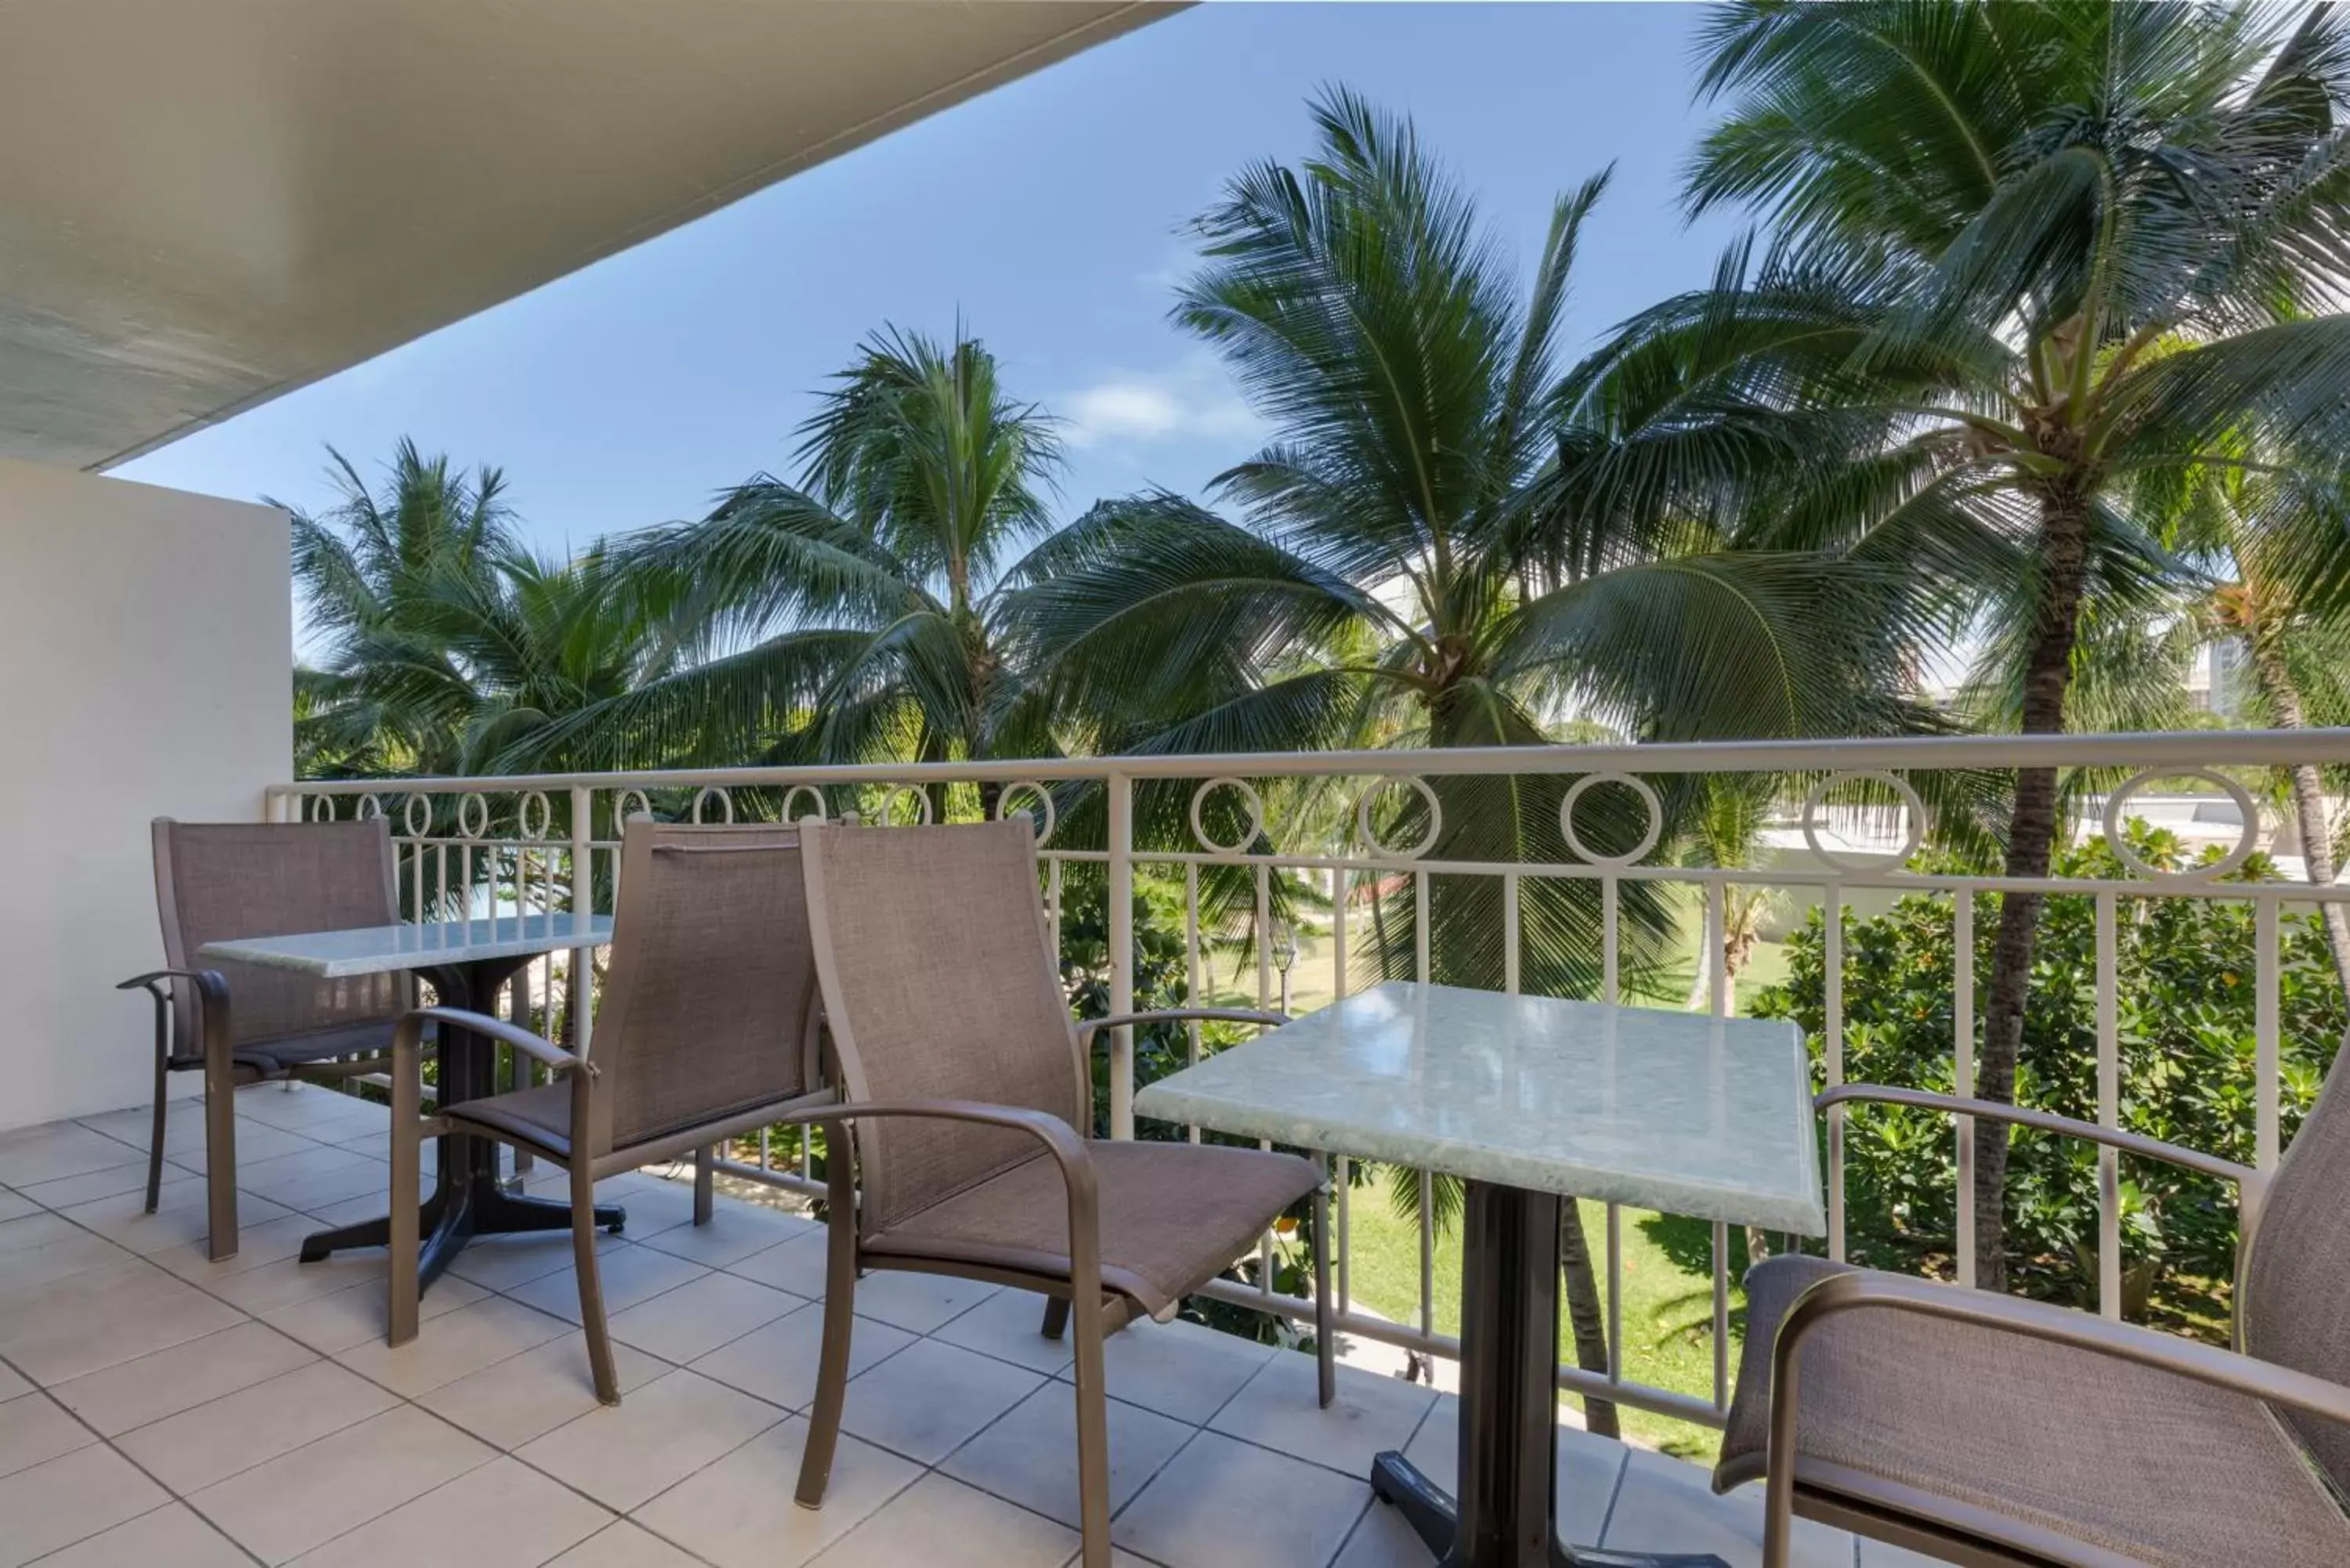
[1240, 834]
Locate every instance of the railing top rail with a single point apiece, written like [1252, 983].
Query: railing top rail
[2182, 749]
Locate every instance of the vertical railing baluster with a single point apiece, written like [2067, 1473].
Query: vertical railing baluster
[1427, 1253]
[581, 964]
[2267, 1129]
[1717, 957]
[1614, 1293]
[1509, 937]
[1342, 891]
[1194, 993]
[1833, 1050]
[1423, 971]
[1264, 935]
[1120, 925]
[1609, 911]
[1344, 1177]
[1962, 1068]
[2109, 1107]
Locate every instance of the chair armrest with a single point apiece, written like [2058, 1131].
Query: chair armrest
[2243, 1176]
[207, 981]
[212, 1017]
[514, 1035]
[1093, 1026]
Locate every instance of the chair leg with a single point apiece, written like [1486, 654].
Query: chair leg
[591, 1281]
[407, 1185]
[706, 1184]
[832, 1370]
[1093, 1439]
[219, 1164]
[155, 1142]
[1056, 1317]
[1325, 1336]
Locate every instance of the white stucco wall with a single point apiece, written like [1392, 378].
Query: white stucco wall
[145, 645]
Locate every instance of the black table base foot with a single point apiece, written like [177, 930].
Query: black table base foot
[1429, 1510]
[499, 1212]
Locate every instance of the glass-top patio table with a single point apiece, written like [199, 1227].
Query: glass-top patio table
[465, 962]
[1531, 1100]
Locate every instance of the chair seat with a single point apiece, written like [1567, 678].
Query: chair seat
[1173, 1215]
[2059, 1453]
[277, 1058]
[538, 1117]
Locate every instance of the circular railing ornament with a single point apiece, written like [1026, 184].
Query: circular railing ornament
[922, 805]
[1249, 797]
[622, 816]
[726, 805]
[1045, 822]
[322, 808]
[2248, 816]
[1914, 825]
[1371, 792]
[1638, 786]
[813, 794]
[537, 797]
[473, 815]
[407, 816]
[370, 807]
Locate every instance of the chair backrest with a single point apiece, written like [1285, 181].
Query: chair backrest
[2296, 1309]
[219, 880]
[939, 984]
[709, 1000]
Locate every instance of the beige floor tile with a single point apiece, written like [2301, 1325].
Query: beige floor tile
[920, 1303]
[1224, 1503]
[624, 1545]
[1179, 1370]
[179, 1219]
[12, 1384]
[305, 1498]
[71, 1498]
[14, 1205]
[172, 1536]
[1030, 1457]
[656, 1435]
[1280, 1407]
[1588, 1469]
[505, 1263]
[211, 1442]
[104, 1315]
[503, 1512]
[349, 1211]
[527, 1395]
[356, 1175]
[71, 1253]
[69, 1190]
[654, 1207]
[305, 1107]
[700, 1316]
[135, 1393]
[37, 1229]
[34, 1430]
[259, 1175]
[338, 1321]
[628, 1274]
[30, 1156]
[1008, 1325]
[257, 1246]
[134, 1124]
[778, 1363]
[1879, 1555]
[288, 1281]
[940, 1520]
[1382, 1540]
[739, 1512]
[1667, 1505]
[453, 1344]
[929, 1398]
[254, 1141]
[735, 1231]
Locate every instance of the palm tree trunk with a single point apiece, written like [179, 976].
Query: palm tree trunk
[2285, 707]
[2031, 837]
[1586, 1316]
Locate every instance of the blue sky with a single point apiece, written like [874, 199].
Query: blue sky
[1046, 215]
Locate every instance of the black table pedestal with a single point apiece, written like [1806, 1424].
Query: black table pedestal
[467, 1200]
[1506, 1513]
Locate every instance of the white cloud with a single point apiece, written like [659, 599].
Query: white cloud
[1192, 400]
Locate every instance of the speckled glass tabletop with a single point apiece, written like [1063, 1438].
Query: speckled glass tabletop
[1673, 1111]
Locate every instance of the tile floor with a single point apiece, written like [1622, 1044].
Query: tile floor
[158, 1408]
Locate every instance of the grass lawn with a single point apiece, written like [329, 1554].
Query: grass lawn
[1668, 1299]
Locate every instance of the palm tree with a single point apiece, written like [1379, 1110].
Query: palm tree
[2031, 264]
[1401, 571]
[858, 613]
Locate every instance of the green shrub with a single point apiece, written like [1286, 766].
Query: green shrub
[2186, 1014]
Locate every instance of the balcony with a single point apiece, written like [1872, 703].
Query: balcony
[156, 1409]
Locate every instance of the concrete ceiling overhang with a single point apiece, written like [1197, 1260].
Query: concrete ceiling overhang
[205, 204]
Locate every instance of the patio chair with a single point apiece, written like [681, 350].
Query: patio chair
[970, 1095]
[243, 1024]
[708, 1030]
[1980, 1429]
